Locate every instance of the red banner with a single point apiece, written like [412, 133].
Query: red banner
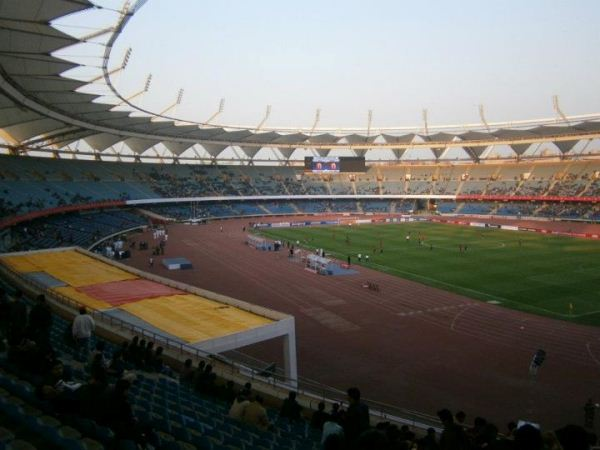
[59, 210]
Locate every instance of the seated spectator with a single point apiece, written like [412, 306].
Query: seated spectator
[90, 396]
[290, 409]
[331, 429]
[199, 373]
[130, 354]
[117, 413]
[117, 365]
[372, 439]
[147, 362]
[228, 392]
[57, 390]
[139, 354]
[453, 436]
[460, 418]
[527, 437]
[336, 415]
[573, 437]
[158, 364]
[255, 414]
[238, 408]
[99, 355]
[429, 442]
[187, 372]
[206, 380]
[247, 390]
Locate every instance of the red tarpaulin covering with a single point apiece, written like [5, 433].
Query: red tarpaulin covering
[120, 292]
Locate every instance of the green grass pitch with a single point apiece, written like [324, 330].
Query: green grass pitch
[527, 271]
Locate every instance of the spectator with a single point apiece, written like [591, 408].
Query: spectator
[573, 437]
[290, 409]
[356, 420]
[118, 414]
[91, 395]
[116, 367]
[453, 436]
[82, 329]
[319, 417]
[238, 408]
[332, 431]
[255, 414]
[247, 390]
[40, 321]
[228, 392]
[4, 313]
[99, 355]
[148, 356]
[528, 437]
[187, 373]
[589, 412]
[17, 320]
[460, 418]
[429, 442]
[336, 415]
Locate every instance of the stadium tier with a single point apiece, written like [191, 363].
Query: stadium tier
[36, 184]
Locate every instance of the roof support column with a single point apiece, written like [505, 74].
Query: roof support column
[289, 356]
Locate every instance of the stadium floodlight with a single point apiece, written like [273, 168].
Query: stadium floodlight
[173, 105]
[95, 34]
[116, 69]
[126, 59]
[558, 111]
[219, 111]
[426, 125]
[137, 94]
[125, 10]
[482, 117]
[267, 114]
[316, 122]
[369, 120]
[147, 84]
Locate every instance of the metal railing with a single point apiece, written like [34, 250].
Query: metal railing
[233, 363]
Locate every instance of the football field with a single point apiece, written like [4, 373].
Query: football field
[548, 275]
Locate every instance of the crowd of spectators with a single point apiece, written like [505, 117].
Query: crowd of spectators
[101, 395]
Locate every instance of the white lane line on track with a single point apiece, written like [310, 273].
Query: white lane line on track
[591, 353]
[458, 314]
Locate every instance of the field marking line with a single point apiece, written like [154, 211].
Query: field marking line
[485, 294]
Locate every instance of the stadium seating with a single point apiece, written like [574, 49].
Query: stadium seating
[82, 229]
[30, 184]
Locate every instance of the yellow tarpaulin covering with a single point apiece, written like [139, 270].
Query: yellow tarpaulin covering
[190, 317]
[193, 318]
[71, 267]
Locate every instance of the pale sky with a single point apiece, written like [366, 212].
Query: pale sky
[348, 56]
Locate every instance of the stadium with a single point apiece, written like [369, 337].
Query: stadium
[425, 265]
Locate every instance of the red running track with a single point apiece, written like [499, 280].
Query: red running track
[409, 345]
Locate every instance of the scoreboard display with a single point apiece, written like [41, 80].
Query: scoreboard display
[334, 164]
